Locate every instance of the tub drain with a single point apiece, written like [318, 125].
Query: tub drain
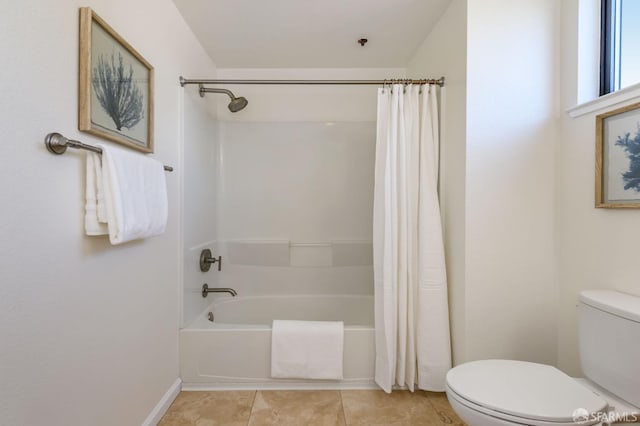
[210, 316]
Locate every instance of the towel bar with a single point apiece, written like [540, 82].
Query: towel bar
[58, 144]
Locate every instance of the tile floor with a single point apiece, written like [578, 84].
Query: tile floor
[304, 408]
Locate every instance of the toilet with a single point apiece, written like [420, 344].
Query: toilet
[506, 392]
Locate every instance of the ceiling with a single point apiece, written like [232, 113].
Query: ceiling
[311, 33]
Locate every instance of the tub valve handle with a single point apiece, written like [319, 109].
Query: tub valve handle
[206, 260]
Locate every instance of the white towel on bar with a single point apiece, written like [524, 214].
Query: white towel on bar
[94, 212]
[307, 349]
[135, 195]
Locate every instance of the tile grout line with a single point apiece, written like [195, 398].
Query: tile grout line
[344, 413]
[253, 402]
[435, 410]
[439, 409]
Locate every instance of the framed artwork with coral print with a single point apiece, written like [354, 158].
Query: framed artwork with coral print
[618, 158]
[116, 86]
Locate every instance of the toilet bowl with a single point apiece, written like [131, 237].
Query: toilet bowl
[507, 392]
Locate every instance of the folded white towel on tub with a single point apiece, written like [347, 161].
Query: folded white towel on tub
[307, 349]
[135, 195]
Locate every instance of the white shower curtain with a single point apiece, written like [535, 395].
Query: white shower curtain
[411, 310]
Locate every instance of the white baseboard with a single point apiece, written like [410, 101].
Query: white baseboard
[163, 405]
[282, 385]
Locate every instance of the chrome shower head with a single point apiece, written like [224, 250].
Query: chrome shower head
[235, 105]
[238, 104]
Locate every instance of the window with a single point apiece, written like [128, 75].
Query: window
[620, 40]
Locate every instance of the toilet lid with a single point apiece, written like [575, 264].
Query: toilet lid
[523, 389]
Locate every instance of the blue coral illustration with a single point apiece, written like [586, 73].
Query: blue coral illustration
[117, 92]
[631, 146]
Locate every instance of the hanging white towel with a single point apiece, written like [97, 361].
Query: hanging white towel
[95, 215]
[307, 349]
[135, 195]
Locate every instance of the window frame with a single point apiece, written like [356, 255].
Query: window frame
[607, 46]
[612, 50]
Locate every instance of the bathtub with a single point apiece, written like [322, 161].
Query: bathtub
[234, 351]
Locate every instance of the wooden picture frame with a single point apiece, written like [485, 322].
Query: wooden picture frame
[116, 86]
[618, 158]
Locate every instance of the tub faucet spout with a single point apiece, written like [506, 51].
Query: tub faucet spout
[206, 290]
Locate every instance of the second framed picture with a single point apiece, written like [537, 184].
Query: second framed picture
[116, 86]
[618, 158]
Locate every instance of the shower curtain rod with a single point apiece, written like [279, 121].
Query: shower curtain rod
[439, 81]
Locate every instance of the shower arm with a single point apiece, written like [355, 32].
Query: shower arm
[202, 90]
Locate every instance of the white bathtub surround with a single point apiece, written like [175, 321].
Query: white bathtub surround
[307, 349]
[262, 253]
[351, 253]
[234, 351]
[411, 311]
[200, 208]
[294, 185]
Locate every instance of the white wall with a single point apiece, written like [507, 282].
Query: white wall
[597, 247]
[88, 331]
[533, 239]
[511, 131]
[499, 131]
[444, 53]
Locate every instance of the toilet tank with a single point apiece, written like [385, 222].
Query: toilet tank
[609, 341]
